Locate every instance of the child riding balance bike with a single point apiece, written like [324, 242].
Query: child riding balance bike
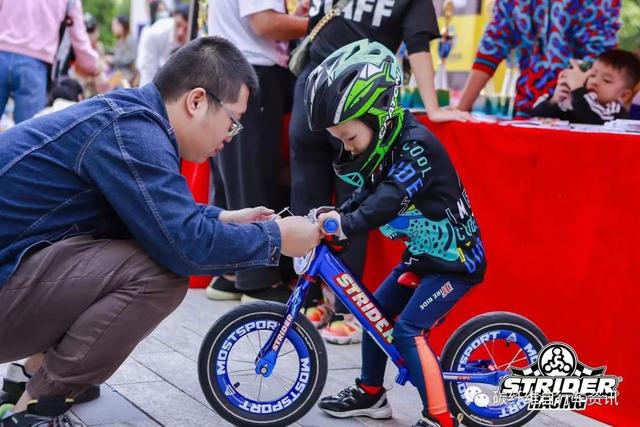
[408, 187]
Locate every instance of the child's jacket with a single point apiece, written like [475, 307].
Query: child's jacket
[417, 197]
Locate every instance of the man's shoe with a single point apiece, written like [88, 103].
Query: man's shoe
[15, 382]
[43, 412]
[277, 293]
[222, 289]
[342, 329]
[353, 401]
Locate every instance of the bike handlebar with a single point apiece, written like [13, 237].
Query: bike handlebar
[330, 225]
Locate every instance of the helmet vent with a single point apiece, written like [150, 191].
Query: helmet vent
[386, 99]
[355, 50]
[346, 81]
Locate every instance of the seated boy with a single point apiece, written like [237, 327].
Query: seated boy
[410, 189]
[595, 96]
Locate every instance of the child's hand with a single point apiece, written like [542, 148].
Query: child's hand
[562, 91]
[575, 77]
[329, 215]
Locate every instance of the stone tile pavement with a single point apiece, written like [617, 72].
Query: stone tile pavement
[158, 384]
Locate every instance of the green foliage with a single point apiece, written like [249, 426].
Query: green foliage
[629, 35]
[105, 11]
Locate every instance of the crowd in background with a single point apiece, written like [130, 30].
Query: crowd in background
[49, 49]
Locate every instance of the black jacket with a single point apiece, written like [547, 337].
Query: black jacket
[585, 108]
[417, 197]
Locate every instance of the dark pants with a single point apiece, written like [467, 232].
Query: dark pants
[313, 181]
[86, 303]
[418, 311]
[249, 167]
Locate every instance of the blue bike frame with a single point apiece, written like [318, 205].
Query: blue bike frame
[359, 301]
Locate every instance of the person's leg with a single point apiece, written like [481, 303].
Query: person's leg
[6, 60]
[342, 328]
[311, 157]
[98, 299]
[392, 298]
[250, 164]
[430, 303]
[367, 397]
[29, 80]
[312, 176]
[216, 188]
[223, 287]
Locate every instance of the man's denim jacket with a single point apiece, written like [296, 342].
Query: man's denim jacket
[109, 166]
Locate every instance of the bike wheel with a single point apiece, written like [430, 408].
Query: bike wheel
[486, 343]
[226, 367]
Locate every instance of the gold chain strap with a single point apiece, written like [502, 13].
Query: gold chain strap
[324, 21]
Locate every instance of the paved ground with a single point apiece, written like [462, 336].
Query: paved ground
[158, 384]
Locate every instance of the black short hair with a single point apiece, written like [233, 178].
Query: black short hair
[624, 61]
[65, 88]
[182, 10]
[212, 63]
[124, 21]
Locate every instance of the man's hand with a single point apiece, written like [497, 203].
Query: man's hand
[575, 77]
[247, 215]
[329, 215]
[299, 236]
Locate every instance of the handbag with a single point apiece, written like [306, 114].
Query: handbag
[64, 46]
[300, 55]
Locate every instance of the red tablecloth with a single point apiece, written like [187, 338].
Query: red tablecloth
[558, 212]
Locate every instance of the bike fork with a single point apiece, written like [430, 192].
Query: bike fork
[266, 360]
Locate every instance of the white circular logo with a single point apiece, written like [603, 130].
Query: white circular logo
[473, 394]
[557, 360]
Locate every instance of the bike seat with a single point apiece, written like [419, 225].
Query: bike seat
[409, 279]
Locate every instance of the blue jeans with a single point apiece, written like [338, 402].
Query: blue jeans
[24, 79]
[418, 311]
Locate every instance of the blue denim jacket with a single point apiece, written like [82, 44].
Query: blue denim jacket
[109, 166]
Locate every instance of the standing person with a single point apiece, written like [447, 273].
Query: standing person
[546, 35]
[124, 53]
[159, 41]
[313, 182]
[250, 167]
[29, 39]
[99, 231]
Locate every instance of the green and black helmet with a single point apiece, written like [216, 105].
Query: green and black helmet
[358, 81]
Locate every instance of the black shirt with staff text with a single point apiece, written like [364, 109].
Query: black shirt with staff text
[386, 21]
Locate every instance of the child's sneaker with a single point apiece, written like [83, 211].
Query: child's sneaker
[445, 420]
[222, 289]
[353, 401]
[342, 329]
[318, 314]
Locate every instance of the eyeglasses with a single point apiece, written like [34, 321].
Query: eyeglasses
[236, 126]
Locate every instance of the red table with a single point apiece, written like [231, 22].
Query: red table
[558, 211]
